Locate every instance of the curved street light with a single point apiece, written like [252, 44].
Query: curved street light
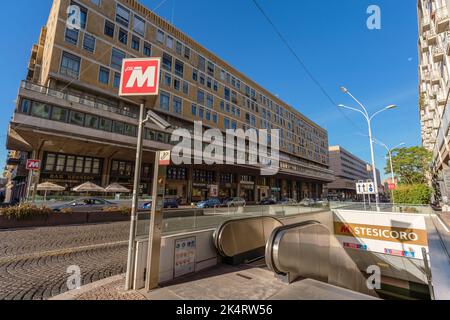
[369, 118]
[389, 150]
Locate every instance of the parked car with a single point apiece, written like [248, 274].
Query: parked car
[287, 202]
[268, 202]
[235, 202]
[85, 205]
[209, 203]
[169, 203]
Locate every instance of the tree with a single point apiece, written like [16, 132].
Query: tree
[411, 165]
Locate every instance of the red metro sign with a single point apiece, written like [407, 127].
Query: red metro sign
[140, 77]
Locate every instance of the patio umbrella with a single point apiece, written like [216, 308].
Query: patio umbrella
[117, 188]
[88, 187]
[48, 186]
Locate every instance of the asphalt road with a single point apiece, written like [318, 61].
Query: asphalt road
[34, 262]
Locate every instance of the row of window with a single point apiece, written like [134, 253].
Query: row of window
[45, 111]
[71, 164]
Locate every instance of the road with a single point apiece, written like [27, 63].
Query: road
[34, 262]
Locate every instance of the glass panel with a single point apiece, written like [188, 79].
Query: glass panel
[40, 110]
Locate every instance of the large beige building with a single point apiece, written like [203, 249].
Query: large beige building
[69, 114]
[434, 77]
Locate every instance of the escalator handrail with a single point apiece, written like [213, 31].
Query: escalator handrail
[218, 232]
[274, 240]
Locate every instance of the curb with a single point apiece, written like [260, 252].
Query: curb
[74, 294]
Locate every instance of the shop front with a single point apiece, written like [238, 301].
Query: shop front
[227, 186]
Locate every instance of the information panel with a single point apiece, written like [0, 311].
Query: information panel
[185, 252]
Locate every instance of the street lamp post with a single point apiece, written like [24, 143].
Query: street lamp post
[389, 150]
[369, 119]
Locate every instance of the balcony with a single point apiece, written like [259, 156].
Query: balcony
[442, 20]
[438, 53]
[426, 23]
[441, 99]
[435, 80]
[431, 37]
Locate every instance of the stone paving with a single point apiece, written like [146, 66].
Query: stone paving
[34, 262]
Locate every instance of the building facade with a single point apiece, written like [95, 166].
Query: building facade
[69, 114]
[348, 170]
[434, 76]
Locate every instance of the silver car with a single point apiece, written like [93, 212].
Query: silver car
[235, 202]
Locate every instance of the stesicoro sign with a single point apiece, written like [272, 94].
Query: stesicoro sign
[387, 233]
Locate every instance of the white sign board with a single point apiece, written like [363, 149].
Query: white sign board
[185, 252]
[394, 234]
[164, 158]
[365, 188]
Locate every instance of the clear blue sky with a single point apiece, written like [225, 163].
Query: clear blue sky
[379, 67]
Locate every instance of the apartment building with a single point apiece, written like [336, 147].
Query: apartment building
[434, 75]
[348, 169]
[69, 114]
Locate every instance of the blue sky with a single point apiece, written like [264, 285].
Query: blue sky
[378, 66]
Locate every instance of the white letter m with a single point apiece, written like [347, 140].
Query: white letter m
[142, 77]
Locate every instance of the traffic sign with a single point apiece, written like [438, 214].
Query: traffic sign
[140, 77]
[164, 158]
[365, 188]
[33, 165]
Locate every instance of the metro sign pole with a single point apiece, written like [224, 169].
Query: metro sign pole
[140, 77]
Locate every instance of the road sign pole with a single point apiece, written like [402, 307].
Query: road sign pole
[156, 221]
[135, 203]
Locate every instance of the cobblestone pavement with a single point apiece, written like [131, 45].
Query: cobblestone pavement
[34, 262]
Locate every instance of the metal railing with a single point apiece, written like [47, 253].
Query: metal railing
[85, 100]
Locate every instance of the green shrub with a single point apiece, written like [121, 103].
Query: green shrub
[413, 194]
[24, 211]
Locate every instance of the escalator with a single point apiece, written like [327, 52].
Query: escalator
[305, 255]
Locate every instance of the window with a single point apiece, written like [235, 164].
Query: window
[122, 15]
[135, 43]
[89, 43]
[70, 65]
[147, 49]
[167, 62]
[208, 115]
[177, 105]
[186, 87]
[40, 110]
[167, 79]
[187, 53]
[164, 102]
[139, 25]
[76, 118]
[201, 113]
[50, 162]
[210, 68]
[200, 97]
[177, 84]
[72, 36]
[70, 164]
[103, 75]
[216, 86]
[109, 29]
[215, 118]
[179, 48]
[201, 63]
[59, 114]
[130, 130]
[194, 110]
[169, 42]
[25, 106]
[210, 101]
[92, 121]
[195, 75]
[116, 82]
[227, 93]
[60, 163]
[79, 165]
[179, 68]
[83, 14]
[160, 36]
[123, 36]
[116, 58]
[105, 124]
[226, 123]
[118, 127]
[96, 2]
